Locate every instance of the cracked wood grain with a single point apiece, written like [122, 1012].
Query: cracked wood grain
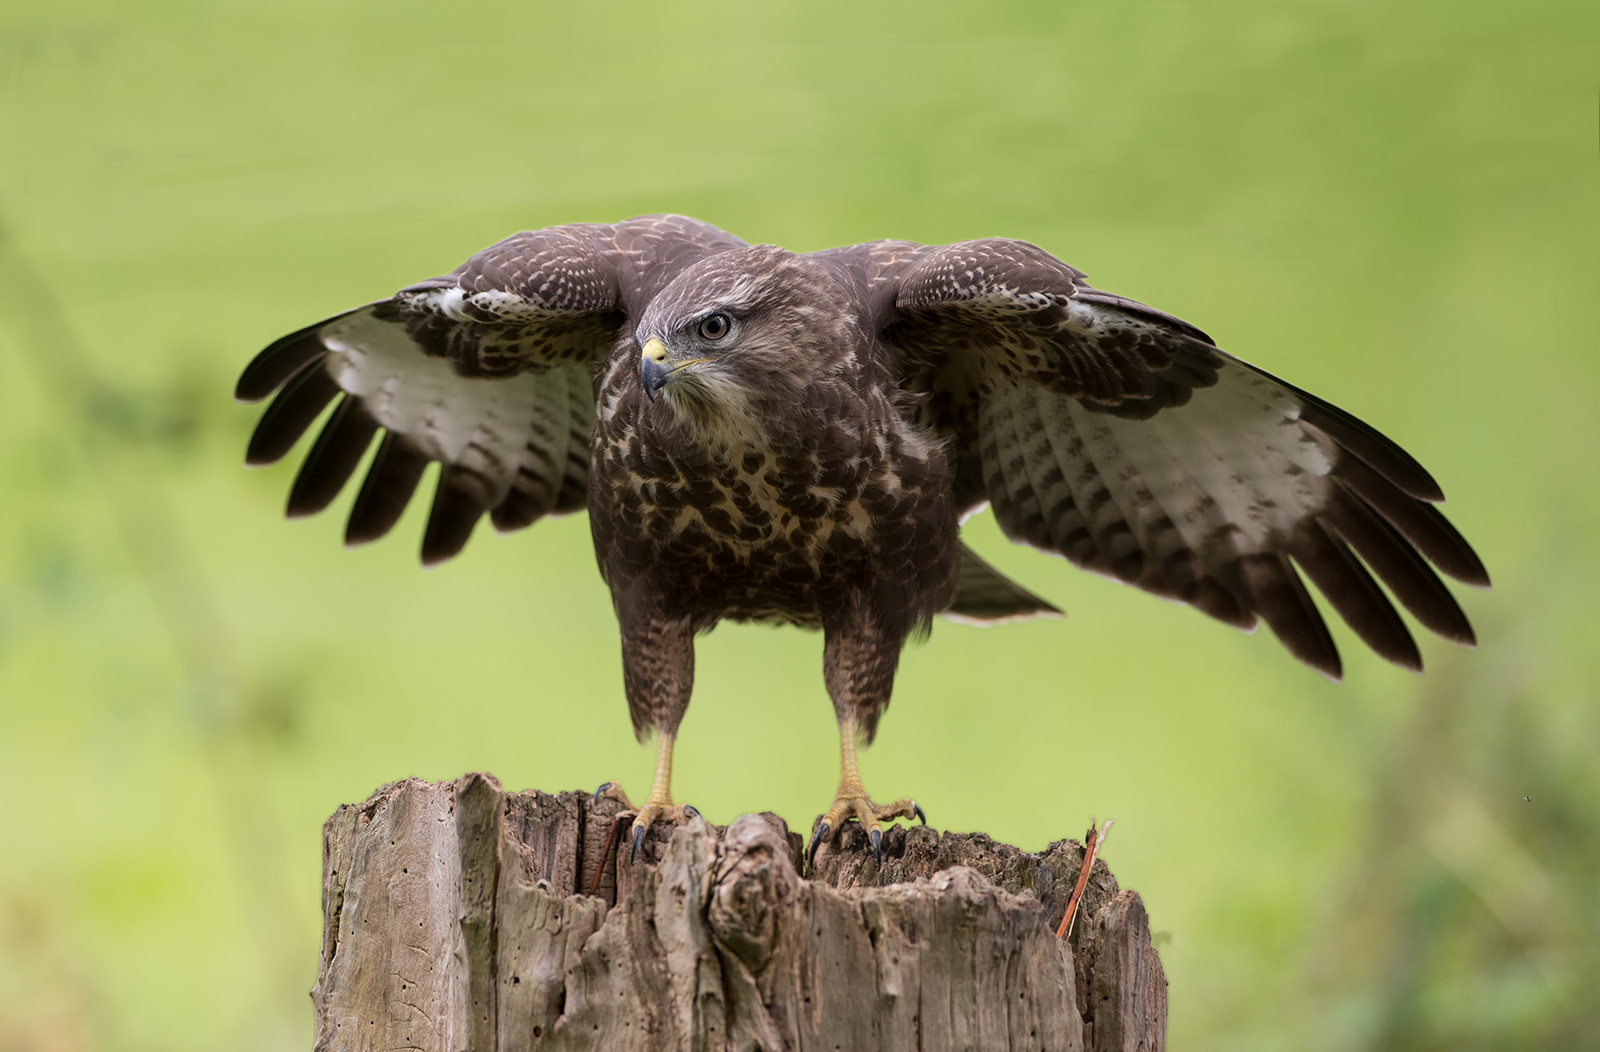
[454, 921]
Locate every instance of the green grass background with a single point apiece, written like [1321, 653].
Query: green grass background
[1392, 204]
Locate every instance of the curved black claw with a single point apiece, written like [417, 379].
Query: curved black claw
[817, 838]
[638, 838]
[689, 811]
[877, 845]
[916, 809]
[603, 787]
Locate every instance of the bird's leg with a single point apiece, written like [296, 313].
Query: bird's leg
[658, 674]
[852, 801]
[859, 658]
[659, 805]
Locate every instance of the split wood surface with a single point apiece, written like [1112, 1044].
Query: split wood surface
[456, 919]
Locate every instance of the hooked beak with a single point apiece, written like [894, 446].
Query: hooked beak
[654, 371]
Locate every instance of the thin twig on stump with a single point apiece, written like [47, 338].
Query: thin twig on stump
[1092, 841]
[454, 921]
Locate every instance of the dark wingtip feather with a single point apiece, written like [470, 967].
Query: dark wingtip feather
[280, 360]
[1354, 594]
[329, 465]
[1280, 597]
[387, 489]
[517, 510]
[456, 510]
[1422, 524]
[1210, 597]
[1399, 566]
[287, 418]
[1462, 562]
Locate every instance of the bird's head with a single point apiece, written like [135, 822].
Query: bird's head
[742, 331]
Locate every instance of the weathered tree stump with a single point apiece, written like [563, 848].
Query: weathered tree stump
[456, 917]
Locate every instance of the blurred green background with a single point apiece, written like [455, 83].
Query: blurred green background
[1393, 205]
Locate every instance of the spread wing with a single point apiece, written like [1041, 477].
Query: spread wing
[488, 370]
[1123, 439]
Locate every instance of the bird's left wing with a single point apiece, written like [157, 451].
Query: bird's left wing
[488, 370]
[1120, 437]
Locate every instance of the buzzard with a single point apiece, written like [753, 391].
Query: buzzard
[770, 436]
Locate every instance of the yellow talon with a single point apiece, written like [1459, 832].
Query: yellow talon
[659, 805]
[852, 801]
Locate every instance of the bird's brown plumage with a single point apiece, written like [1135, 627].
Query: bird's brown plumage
[811, 463]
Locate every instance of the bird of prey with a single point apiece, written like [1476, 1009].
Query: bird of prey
[761, 435]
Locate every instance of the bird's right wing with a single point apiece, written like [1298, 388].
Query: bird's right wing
[488, 370]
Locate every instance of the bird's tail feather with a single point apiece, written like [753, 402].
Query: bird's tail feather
[984, 596]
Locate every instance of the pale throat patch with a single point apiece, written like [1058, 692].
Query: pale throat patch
[716, 408]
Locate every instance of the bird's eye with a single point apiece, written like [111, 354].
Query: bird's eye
[714, 326]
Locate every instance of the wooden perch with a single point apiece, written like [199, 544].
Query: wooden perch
[456, 919]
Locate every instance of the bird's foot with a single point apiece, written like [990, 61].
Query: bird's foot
[656, 809]
[852, 801]
[613, 791]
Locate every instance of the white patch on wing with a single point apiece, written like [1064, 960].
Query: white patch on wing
[446, 301]
[1096, 319]
[1087, 316]
[452, 301]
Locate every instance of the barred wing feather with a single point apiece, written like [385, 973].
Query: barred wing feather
[1123, 439]
[514, 446]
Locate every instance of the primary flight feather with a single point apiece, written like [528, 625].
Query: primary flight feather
[763, 435]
